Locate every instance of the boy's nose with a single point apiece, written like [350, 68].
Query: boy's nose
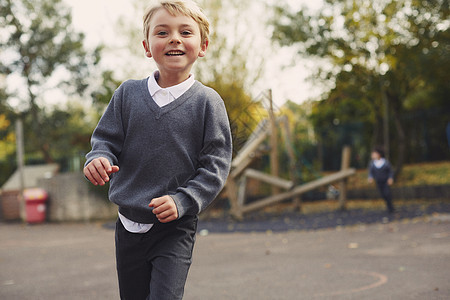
[175, 40]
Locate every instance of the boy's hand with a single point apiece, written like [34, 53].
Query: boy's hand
[164, 208]
[390, 181]
[370, 180]
[98, 171]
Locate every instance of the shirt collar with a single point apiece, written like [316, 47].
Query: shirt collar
[176, 91]
[379, 162]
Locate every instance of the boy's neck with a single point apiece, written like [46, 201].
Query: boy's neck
[170, 79]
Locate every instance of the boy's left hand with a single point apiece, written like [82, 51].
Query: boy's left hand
[390, 181]
[164, 208]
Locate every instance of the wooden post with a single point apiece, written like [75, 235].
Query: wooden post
[329, 179]
[20, 166]
[242, 185]
[242, 160]
[292, 161]
[246, 156]
[274, 164]
[289, 147]
[232, 193]
[274, 181]
[345, 165]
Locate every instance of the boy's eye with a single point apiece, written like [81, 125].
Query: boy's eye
[161, 33]
[186, 32]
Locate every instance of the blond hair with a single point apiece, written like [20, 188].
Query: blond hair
[178, 7]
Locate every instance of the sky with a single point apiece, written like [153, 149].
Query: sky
[98, 19]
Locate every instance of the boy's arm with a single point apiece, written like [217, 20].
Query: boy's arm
[370, 176]
[213, 164]
[391, 173]
[107, 138]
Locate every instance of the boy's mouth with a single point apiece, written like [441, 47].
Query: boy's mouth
[175, 53]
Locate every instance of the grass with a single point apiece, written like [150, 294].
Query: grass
[434, 173]
[378, 204]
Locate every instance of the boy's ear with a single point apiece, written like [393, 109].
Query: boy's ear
[147, 49]
[203, 48]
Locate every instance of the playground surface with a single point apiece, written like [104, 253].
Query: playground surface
[289, 219]
[398, 259]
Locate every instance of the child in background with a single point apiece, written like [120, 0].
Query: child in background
[380, 171]
[164, 143]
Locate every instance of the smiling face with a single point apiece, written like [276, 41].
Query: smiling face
[174, 42]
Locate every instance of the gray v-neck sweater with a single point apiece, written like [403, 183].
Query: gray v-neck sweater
[182, 149]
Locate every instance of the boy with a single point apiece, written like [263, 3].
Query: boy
[164, 143]
[381, 172]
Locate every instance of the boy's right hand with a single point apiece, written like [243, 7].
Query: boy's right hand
[98, 171]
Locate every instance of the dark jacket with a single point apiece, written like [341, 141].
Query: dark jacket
[381, 174]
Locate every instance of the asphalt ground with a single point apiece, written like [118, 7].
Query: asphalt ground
[398, 258]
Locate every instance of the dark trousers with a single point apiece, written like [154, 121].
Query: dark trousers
[385, 192]
[155, 265]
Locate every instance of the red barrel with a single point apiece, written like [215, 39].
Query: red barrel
[35, 205]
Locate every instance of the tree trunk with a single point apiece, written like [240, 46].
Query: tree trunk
[401, 146]
[44, 147]
[45, 150]
[401, 137]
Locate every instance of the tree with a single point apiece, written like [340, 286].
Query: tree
[387, 44]
[351, 113]
[7, 141]
[234, 54]
[244, 113]
[41, 53]
[303, 140]
[233, 64]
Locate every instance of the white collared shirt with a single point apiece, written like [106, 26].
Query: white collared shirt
[379, 162]
[162, 97]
